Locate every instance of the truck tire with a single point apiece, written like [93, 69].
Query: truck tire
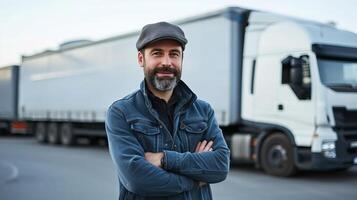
[66, 135]
[53, 135]
[41, 132]
[277, 156]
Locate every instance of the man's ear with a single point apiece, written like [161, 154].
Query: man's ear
[141, 59]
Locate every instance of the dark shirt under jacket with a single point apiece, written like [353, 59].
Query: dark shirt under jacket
[165, 110]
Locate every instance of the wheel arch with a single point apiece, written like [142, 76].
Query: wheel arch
[266, 130]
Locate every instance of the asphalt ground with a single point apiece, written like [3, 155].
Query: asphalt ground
[33, 171]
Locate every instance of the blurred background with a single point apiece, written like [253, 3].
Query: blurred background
[288, 112]
[29, 27]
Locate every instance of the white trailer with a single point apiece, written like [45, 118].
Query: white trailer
[283, 89]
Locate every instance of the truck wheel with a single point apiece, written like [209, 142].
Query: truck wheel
[40, 132]
[53, 135]
[277, 156]
[66, 135]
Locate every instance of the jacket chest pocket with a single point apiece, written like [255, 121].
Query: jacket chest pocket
[193, 132]
[148, 135]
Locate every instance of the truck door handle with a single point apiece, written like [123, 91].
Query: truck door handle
[280, 107]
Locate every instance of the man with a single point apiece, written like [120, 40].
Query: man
[165, 143]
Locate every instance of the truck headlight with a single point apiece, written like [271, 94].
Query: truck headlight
[328, 149]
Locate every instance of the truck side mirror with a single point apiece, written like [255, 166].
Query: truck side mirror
[292, 71]
[296, 73]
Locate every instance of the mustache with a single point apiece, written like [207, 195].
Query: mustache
[165, 69]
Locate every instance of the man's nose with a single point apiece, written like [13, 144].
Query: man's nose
[166, 60]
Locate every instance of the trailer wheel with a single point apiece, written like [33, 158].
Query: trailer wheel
[40, 132]
[277, 156]
[66, 135]
[53, 135]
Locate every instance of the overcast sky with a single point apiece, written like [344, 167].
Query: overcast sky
[32, 26]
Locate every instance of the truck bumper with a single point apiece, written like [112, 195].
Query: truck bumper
[319, 162]
[346, 156]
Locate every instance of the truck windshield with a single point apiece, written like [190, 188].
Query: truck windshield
[338, 74]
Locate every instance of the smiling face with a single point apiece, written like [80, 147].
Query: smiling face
[162, 63]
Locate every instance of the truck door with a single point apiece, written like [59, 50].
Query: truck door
[294, 97]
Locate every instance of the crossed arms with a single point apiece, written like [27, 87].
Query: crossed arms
[141, 172]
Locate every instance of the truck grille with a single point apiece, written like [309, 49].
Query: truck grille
[345, 118]
[346, 126]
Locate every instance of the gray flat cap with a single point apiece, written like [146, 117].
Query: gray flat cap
[160, 31]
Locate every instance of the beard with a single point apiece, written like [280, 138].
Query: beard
[163, 84]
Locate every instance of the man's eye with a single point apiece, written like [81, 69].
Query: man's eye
[175, 55]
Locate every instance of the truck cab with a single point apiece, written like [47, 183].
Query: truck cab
[300, 87]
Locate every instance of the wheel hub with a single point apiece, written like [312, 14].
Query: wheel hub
[277, 156]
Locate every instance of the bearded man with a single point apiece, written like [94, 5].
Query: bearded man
[164, 142]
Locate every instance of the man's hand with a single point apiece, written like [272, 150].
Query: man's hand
[154, 158]
[204, 146]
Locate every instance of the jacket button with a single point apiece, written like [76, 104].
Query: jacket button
[160, 126]
[166, 144]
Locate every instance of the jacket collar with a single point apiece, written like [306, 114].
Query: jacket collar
[187, 96]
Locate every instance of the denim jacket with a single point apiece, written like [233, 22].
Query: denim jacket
[133, 128]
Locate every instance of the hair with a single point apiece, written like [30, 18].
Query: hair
[142, 51]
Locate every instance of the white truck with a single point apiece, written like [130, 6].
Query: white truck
[284, 90]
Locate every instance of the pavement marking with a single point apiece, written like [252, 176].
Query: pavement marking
[13, 172]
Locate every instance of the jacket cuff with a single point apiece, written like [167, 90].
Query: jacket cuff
[171, 160]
